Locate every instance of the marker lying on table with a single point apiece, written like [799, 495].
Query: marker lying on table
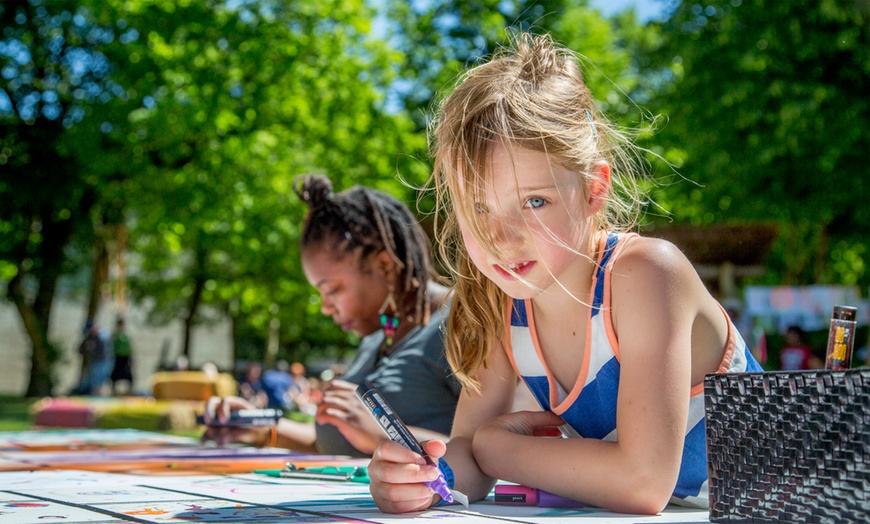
[397, 431]
[517, 495]
[245, 418]
[336, 473]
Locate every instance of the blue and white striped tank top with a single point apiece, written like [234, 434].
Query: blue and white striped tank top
[589, 409]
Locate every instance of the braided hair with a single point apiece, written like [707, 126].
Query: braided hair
[367, 221]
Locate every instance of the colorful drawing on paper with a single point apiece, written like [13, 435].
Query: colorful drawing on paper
[22, 510]
[84, 439]
[155, 460]
[47, 487]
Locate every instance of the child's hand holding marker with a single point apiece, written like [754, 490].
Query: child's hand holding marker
[398, 477]
[409, 455]
[234, 419]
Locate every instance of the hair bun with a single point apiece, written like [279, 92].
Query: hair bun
[314, 190]
[537, 55]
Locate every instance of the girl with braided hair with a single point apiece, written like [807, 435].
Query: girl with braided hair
[370, 260]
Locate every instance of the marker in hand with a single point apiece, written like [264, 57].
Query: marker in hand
[397, 431]
[246, 418]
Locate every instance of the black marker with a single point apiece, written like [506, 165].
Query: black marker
[245, 418]
[397, 431]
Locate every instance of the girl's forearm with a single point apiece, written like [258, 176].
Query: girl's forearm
[470, 479]
[589, 470]
[295, 435]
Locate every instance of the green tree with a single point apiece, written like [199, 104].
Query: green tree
[609, 53]
[769, 114]
[184, 124]
[247, 101]
[185, 121]
[440, 39]
[55, 75]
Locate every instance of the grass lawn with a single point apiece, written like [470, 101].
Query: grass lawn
[14, 413]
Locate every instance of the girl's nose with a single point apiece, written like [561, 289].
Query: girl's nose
[507, 229]
[326, 307]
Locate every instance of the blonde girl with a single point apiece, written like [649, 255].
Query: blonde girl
[612, 332]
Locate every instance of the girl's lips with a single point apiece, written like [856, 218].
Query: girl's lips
[517, 269]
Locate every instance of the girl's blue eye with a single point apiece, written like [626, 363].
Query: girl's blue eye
[479, 208]
[535, 202]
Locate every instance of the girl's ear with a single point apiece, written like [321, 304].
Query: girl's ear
[384, 265]
[599, 186]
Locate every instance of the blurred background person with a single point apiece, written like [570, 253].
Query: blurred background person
[122, 370]
[251, 385]
[277, 383]
[796, 354]
[300, 391]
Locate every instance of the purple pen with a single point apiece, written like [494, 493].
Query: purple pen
[397, 431]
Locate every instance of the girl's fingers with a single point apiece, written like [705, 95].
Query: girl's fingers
[402, 498]
[435, 448]
[393, 452]
[342, 385]
[210, 406]
[397, 478]
[402, 475]
[526, 422]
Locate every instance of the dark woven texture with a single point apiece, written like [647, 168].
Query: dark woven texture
[789, 446]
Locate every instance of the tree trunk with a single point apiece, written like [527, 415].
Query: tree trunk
[35, 323]
[34, 307]
[99, 272]
[195, 300]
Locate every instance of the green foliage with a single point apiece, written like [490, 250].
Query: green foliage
[768, 100]
[55, 75]
[186, 123]
[15, 413]
[241, 102]
[440, 39]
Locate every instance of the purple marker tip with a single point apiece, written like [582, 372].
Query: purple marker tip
[440, 487]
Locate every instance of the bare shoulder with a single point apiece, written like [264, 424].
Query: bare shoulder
[653, 257]
[653, 278]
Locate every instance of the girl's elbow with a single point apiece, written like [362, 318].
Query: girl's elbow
[649, 496]
[480, 490]
[645, 502]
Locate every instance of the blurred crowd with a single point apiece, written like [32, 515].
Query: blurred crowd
[285, 386]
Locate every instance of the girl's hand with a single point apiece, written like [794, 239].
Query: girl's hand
[398, 474]
[498, 438]
[344, 410]
[530, 423]
[217, 412]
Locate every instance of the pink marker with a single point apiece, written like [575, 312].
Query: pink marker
[517, 495]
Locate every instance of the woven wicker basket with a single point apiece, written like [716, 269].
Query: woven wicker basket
[789, 446]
